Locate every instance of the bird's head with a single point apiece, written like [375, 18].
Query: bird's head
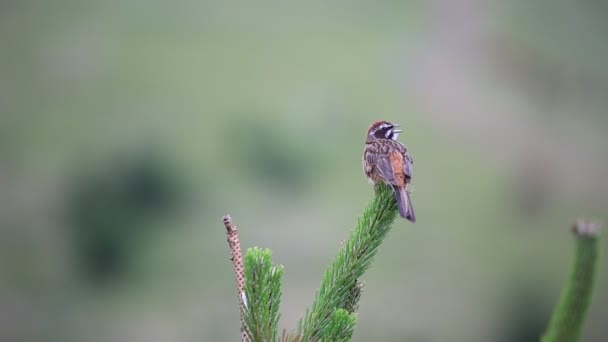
[383, 130]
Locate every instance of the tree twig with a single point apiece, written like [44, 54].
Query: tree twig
[237, 261]
[569, 315]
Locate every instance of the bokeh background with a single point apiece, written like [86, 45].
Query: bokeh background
[128, 128]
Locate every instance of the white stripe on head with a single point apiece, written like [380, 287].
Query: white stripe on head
[389, 134]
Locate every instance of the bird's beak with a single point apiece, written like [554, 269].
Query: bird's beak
[397, 130]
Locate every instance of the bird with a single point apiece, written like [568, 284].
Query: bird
[386, 160]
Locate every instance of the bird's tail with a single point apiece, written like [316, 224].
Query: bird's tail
[404, 203]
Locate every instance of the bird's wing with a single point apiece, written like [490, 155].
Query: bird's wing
[408, 168]
[376, 159]
[382, 163]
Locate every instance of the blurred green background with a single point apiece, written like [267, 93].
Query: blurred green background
[128, 128]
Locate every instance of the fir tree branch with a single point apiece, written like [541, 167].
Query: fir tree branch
[237, 262]
[340, 288]
[569, 315]
[263, 294]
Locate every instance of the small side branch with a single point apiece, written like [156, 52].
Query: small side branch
[569, 315]
[237, 262]
[263, 293]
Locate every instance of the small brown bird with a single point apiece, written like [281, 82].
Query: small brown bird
[386, 160]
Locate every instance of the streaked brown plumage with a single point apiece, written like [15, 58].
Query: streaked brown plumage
[386, 160]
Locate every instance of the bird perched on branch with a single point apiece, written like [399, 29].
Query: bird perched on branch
[387, 161]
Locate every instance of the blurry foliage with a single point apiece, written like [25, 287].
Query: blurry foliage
[565, 77]
[531, 185]
[273, 155]
[108, 207]
[526, 315]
